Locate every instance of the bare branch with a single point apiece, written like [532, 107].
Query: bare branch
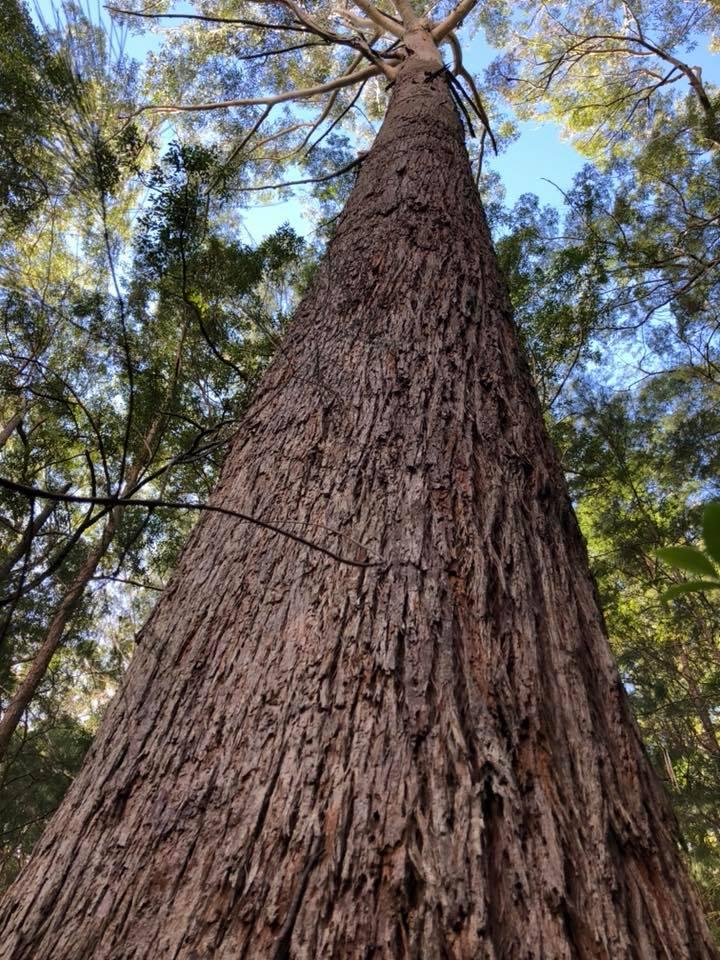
[107, 578]
[474, 101]
[453, 19]
[297, 183]
[326, 110]
[114, 502]
[310, 24]
[386, 23]
[408, 16]
[236, 151]
[284, 97]
[337, 120]
[278, 50]
[235, 21]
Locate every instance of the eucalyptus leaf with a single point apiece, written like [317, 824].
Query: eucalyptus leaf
[689, 559]
[711, 530]
[690, 586]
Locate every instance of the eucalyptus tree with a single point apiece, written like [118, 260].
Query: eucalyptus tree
[400, 732]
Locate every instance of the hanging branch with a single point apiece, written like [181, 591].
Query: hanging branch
[475, 102]
[110, 503]
[454, 88]
[234, 21]
[296, 183]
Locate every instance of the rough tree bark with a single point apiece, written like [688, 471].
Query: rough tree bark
[429, 757]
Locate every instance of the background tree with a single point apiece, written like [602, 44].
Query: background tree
[120, 374]
[639, 432]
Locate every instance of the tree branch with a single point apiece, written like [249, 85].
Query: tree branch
[298, 183]
[303, 94]
[408, 16]
[235, 21]
[387, 24]
[453, 19]
[113, 502]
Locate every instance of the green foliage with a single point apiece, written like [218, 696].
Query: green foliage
[23, 123]
[134, 330]
[634, 495]
[692, 560]
[614, 74]
[46, 760]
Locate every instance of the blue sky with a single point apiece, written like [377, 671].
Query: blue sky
[538, 155]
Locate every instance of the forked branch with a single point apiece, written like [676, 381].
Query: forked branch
[453, 19]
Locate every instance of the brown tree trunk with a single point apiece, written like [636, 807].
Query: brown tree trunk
[7, 428]
[429, 757]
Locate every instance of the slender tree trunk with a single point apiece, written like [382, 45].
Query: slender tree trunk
[17, 553]
[7, 428]
[22, 696]
[25, 691]
[430, 757]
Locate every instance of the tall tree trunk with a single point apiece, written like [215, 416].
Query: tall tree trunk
[429, 757]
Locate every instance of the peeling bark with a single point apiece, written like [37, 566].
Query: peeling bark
[428, 758]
